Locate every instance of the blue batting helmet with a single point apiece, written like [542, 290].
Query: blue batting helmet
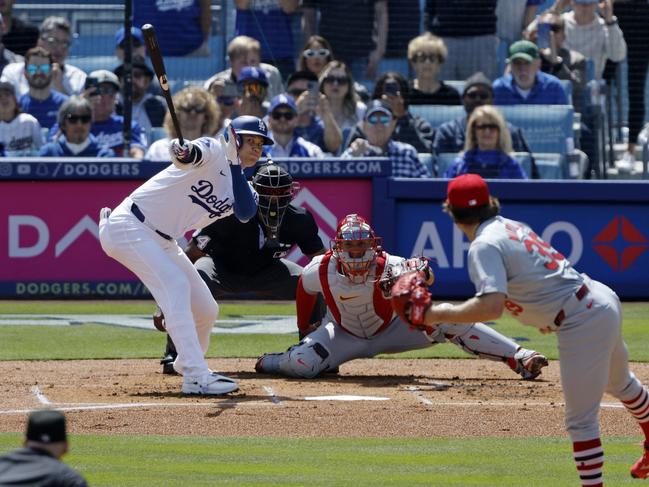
[247, 124]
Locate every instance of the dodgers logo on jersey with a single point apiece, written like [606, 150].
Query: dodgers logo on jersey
[213, 205]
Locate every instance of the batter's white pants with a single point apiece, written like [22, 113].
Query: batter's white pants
[163, 267]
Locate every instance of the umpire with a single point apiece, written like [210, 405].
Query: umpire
[39, 462]
[238, 259]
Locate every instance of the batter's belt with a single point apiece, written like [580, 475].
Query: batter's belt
[580, 294]
[140, 216]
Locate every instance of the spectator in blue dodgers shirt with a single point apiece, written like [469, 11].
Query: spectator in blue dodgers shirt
[487, 148]
[182, 26]
[282, 121]
[6, 56]
[41, 101]
[316, 122]
[527, 84]
[198, 116]
[378, 126]
[55, 37]
[20, 133]
[270, 22]
[74, 119]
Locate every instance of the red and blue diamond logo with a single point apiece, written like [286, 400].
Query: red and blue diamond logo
[620, 243]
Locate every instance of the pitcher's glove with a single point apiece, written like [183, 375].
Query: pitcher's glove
[410, 298]
[159, 319]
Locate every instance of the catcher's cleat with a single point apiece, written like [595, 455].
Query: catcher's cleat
[640, 469]
[528, 363]
[210, 384]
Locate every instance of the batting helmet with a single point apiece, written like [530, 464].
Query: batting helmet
[249, 125]
[275, 188]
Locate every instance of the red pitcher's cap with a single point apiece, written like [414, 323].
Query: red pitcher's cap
[467, 191]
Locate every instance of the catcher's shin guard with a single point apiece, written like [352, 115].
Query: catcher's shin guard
[306, 360]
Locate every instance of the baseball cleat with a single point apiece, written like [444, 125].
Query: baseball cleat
[640, 469]
[210, 384]
[167, 363]
[528, 363]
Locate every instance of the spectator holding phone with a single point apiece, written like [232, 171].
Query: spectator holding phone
[74, 120]
[315, 120]
[427, 54]
[337, 84]
[198, 116]
[487, 148]
[393, 89]
[253, 85]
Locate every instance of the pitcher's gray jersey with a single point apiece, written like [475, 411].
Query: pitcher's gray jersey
[508, 257]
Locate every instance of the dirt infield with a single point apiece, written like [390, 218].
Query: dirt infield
[371, 398]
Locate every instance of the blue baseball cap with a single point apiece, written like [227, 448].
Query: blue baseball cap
[282, 100]
[138, 37]
[251, 73]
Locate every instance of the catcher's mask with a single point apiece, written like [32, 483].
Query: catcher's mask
[356, 247]
[275, 187]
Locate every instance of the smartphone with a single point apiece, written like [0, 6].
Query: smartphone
[391, 87]
[543, 35]
[92, 83]
[230, 90]
[314, 90]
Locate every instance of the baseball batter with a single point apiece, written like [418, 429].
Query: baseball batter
[204, 183]
[360, 321]
[513, 269]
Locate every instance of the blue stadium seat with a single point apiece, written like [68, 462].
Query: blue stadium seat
[444, 160]
[92, 63]
[426, 158]
[93, 45]
[437, 114]
[547, 128]
[549, 164]
[400, 65]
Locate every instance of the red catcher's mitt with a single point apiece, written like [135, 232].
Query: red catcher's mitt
[410, 298]
[159, 319]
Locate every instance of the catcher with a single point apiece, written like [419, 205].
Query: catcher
[513, 269]
[355, 277]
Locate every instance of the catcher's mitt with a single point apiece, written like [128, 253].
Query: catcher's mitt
[410, 298]
[159, 319]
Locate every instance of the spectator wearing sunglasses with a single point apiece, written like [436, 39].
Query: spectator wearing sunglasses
[41, 101]
[148, 110]
[75, 119]
[450, 137]
[427, 54]
[107, 126]
[337, 84]
[6, 56]
[198, 116]
[393, 89]
[315, 120]
[282, 121]
[270, 22]
[487, 148]
[55, 37]
[378, 127]
[20, 133]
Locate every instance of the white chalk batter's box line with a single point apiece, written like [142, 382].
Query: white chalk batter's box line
[273, 400]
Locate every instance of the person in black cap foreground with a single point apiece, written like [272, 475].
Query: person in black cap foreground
[39, 461]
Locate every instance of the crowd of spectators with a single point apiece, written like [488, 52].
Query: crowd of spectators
[316, 102]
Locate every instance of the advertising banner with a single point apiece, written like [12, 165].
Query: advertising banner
[49, 245]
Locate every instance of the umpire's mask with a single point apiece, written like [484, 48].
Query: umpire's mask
[275, 188]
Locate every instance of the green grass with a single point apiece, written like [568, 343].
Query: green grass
[98, 341]
[176, 460]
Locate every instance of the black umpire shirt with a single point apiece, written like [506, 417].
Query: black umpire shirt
[242, 247]
[36, 468]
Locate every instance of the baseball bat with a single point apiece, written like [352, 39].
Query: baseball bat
[161, 73]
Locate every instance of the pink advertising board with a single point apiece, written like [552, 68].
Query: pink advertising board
[49, 231]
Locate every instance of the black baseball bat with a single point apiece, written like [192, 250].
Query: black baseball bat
[159, 67]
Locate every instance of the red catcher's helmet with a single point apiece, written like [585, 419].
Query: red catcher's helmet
[356, 247]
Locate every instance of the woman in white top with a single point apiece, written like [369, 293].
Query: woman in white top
[337, 84]
[198, 115]
[20, 133]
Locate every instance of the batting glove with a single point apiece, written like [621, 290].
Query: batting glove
[181, 152]
[230, 146]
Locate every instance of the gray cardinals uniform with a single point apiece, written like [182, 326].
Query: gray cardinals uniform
[360, 323]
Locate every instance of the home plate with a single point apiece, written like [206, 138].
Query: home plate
[344, 397]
